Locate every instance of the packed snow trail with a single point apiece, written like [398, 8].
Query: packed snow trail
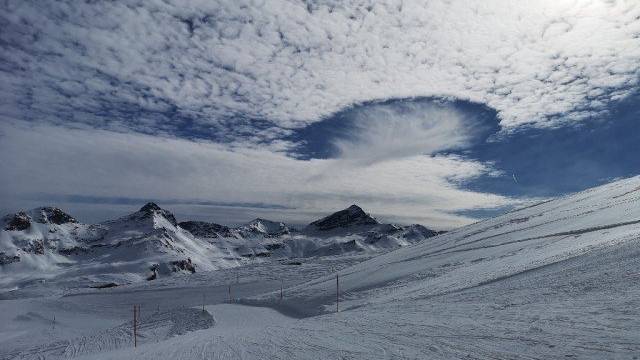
[565, 310]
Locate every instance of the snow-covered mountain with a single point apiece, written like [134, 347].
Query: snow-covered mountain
[583, 244]
[47, 242]
[346, 231]
[42, 237]
[266, 228]
[555, 280]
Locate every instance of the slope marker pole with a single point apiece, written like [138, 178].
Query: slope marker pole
[337, 292]
[135, 324]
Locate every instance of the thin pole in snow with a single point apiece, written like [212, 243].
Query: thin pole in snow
[229, 292]
[202, 302]
[337, 292]
[135, 329]
[54, 322]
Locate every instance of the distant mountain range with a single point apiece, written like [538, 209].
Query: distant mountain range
[49, 243]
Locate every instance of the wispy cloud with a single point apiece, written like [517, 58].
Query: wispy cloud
[96, 163]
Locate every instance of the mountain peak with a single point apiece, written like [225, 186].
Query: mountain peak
[351, 216]
[150, 206]
[42, 215]
[267, 227]
[53, 215]
[150, 209]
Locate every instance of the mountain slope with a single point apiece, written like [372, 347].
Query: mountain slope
[46, 243]
[348, 231]
[556, 280]
[148, 243]
[486, 252]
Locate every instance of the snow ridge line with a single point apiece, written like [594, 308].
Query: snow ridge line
[563, 233]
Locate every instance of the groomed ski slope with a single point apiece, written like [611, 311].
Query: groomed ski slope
[490, 251]
[559, 279]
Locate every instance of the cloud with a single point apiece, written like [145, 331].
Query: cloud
[400, 129]
[209, 68]
[97, 163]
[198, 99]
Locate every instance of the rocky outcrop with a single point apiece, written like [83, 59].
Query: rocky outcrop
[351, 216]
[205, 229]
[6, 259]
[150, 209]
[52, 215]
[17, 222]
[183, 265]
[418, 232]
[43, 215]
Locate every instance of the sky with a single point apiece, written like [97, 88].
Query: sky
[440, 113]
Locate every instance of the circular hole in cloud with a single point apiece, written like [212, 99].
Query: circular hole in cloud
[398, 128]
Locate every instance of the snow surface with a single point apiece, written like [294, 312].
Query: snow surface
[559, 279]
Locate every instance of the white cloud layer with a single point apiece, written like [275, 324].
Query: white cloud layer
[246, 73]
[102, 163]
[544, 62]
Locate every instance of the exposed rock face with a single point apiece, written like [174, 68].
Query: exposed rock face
[151, 208]
[35, 247]
[417, 231]
[206, 229]
[184, 265]
[44, 215]
[75, 250]
[8, 259]
[52, 215]
[351, 216]
[17, 222]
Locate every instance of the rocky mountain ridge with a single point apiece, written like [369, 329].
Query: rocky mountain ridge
[150, 242]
